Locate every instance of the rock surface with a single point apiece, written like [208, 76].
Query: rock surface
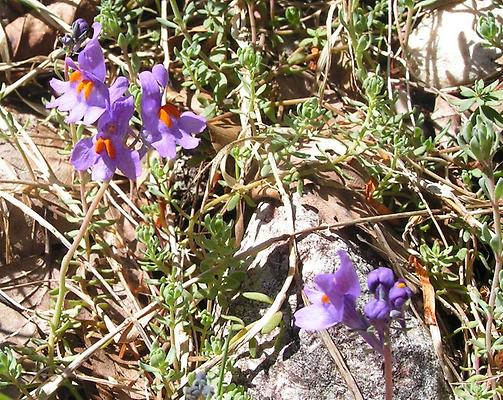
[445, 49]
[302, 368]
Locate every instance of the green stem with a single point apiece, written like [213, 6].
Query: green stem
[172, 325]
[65, 263]
[224, 361]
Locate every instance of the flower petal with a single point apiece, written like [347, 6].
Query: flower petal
[327, 284]
[166, 146]
[150, 101]
[160, 74]
[119, 87]
[77, 112]
[188, 141]
[99, 96]
[59, 86]
[92, 114]
[346, 279]
[314, 295]
[315, 317]
[192, 123]
[71, 64]
[65, 102]
[128, 161]
[92, 60]
[103, 169]
[83, 154]
[96, 30]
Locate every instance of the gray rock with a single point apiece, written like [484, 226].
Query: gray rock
[445, 49]
[298, 365]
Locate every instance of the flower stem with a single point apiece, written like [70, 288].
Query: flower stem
[224, 361]
[497, 269]
[65, 263]
[388, 367]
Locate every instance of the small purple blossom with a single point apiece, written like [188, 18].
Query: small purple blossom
[164, 126]
[73, 41]
[399, 294]
[333, 296]
[85, 94]
[107, 151]
[381, 276]
[333, 300]
[378, 313]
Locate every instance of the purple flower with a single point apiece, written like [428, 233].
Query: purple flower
[381, 277]
[79, 28]
[399, 294]
[333, 298]
[107, 151]
[85, 94]
[72, 42]
[377, 311]
[333, 301]
[164, 126]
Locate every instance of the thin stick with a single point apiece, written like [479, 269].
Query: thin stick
[388, 368]
[56, 320]
[496, 277]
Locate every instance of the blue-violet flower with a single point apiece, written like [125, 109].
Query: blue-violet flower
[164, 126]
[107, 151]
[85, 94]
[399, 294]
[333, 296]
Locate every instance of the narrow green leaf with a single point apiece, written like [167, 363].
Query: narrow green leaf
[498, 192]
[273, 322]
[256, 296]
[233, 202]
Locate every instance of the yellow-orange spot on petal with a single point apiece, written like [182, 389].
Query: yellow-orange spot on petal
[99, 146]
[81, 86]
[87, 89]
[166, 114]
[105, 145]
[401, 285]
[110, 148]
[75, 76]
[325, 299]
[86, 86]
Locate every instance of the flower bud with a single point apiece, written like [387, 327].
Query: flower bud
[79, 28]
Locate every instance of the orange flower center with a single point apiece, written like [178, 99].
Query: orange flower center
[75, 76]
[166, 114]
[84, 85]
[325, 299]
[401, 285]
[106, 145]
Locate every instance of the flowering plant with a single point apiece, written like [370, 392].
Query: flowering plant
[333, 301]
[87, 98]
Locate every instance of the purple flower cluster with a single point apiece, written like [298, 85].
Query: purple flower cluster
[333, 301]
[89, 100]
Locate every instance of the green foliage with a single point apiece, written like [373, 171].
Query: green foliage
[10, 369]
[490, 29]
